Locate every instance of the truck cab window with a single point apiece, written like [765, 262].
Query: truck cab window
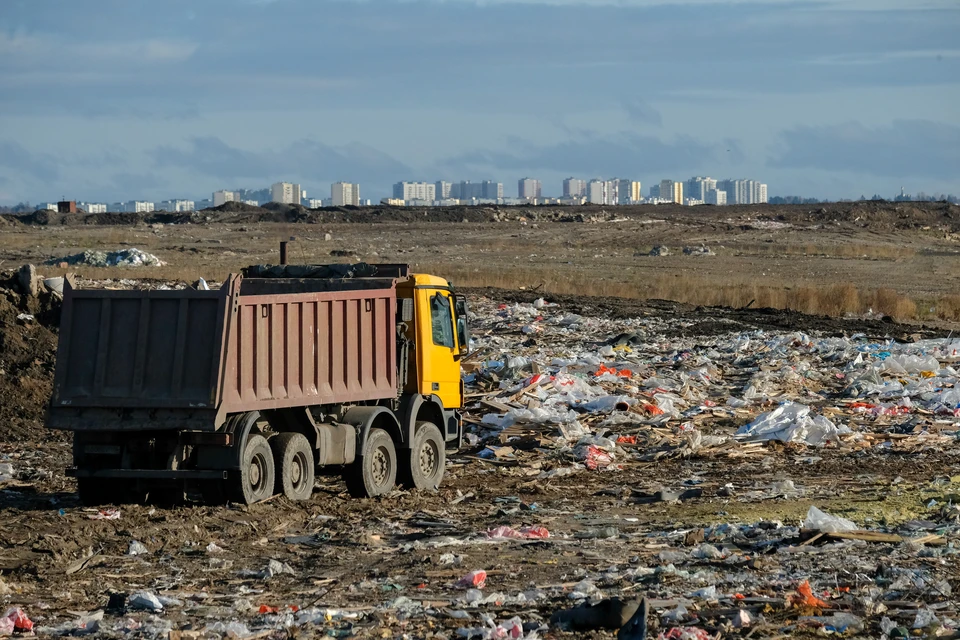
[442, 320]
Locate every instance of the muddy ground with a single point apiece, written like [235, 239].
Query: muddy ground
[389, 567]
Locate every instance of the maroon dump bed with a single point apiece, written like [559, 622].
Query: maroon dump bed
[254, 344]
[311, 348]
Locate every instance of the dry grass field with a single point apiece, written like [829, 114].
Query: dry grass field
[905, 264]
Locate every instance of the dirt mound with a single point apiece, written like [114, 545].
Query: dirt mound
[874, 215]
[28, 349]
[235, 207]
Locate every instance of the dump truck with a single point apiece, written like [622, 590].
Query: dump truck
[251, 389]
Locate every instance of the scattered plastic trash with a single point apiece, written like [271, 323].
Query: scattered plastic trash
[805, 598]
[105, 514]
[137, 548]
[15, 620]
[524, 533]
[124, 258]
[821, 521]
[475, 579]
[791, 422]
[684, 633]
[145, 600]
[6, 472]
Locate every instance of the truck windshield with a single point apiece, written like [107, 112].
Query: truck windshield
[442, 320]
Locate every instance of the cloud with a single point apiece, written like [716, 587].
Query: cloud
[16, 158]
[624, 153]
[642, 113]
[915, 148]
[42, 48]
[306, 160]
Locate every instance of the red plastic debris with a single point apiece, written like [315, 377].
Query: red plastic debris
[622, 373]
[684, 633]
[524, 533]
[597, 458]
[476, 579]
[268, 609]
[19, 619]
[805, 597]
[627, 440]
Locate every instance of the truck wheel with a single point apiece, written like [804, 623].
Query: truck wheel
[255, 481]
[424, 467]
[293, 459]
[374, 473]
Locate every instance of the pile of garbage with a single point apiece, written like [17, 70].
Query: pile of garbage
[123, 258]
[633, 478]
[589, 381]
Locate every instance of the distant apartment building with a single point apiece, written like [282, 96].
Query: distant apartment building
[574, 188]
[603, 191]
[316, 203]
[697, 187]
[93, 207]
[715, 196]
[491, 190]
[442, 190]
[421, 191]
[529, 189]
[761, 193]
[139, 206]
[286, 193]
[628, 192]
[223, 197]
[486, 190]
[47, 206]
[671, 190]
[743, 191]
[344, 194]
[654, 192]
[177, 205]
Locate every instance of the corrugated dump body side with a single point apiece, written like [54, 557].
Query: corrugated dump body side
[140, 349]
[300, 349]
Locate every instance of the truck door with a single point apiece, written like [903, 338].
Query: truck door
[438, 351]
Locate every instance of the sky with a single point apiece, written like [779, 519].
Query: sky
[109, 100]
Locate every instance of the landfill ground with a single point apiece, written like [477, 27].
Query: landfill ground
[601, 461]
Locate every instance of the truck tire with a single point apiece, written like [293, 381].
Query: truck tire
[424, 466]
[293, 460]
[255, 480]
[374, 472]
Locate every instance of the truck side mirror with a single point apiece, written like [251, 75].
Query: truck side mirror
[463, 331]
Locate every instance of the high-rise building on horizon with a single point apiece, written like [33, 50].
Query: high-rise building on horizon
[223, 197]
[286, 193]
[671, 190]
[345, 194]
[442, 189]
[697, 187]
[176, 206]
[491, 190]
[574, 188]
[603, 191]
[743, 191]
[715, 196]
[422, 191]
[529, 189]
[628, 191]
